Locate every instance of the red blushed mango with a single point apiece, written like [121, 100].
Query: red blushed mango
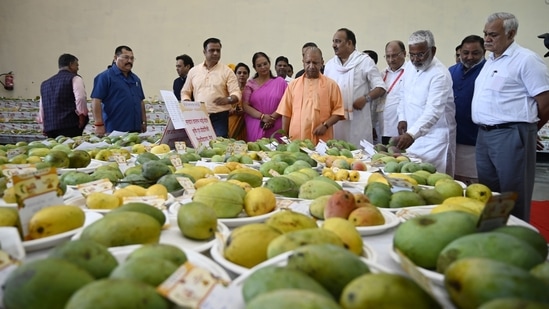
[340, 204]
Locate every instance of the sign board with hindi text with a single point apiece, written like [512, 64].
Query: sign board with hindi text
[192, 116]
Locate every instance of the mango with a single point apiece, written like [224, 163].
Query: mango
[88, 255]
[150, 270]
[448, 188]
[56, 219]
[162, 251]
[79, 158]
[292, 298]
[422, 238]
[293, 240]
[406, 199]
[73, 178]
[229, 204]
[273, 278]
[102, 200]
[471, 282]
[271, 166]
[346, 231]
[317, 206]
[259, 201]
[379, 194]
[287, 220]
[479, 192]
[315, 188]
[143, 208]
[368, 215]
[344, 266]
[197, 220]
[431, 196]
[117, 294]
[123, 228]
[541, 271]
[298, 177]
[249, 177]
[384, 290]
[282, 186]
[497, 246]
[247, 244]
[528, 235]
[340, 204]
[45, 283]
[153, 170]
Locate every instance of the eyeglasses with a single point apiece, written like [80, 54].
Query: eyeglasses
[419, 55]
[126, 57]
[394, 56]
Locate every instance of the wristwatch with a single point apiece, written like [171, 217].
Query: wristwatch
[325, 125]
[230, 99]
[368, 98]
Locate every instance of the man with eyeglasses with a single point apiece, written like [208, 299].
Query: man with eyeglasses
[510, 104]
[464, 75]
[360, 83]
[117, 97]
[426, 112]
[215, 84]
[387, 109]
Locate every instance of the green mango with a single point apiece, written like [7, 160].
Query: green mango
[384, 290]
[117, 294]
[226, 205]
[496, 246]
[471, 282]
[273, 278]
[45, 283]
[88, 255]
[162, 251]
[314, 261]
[123, 228]
[282, 186]
[153, 170]
[528, 235]
[513, 303]
[315, 188]
[150, 270]
[422, 238]
[292, 298]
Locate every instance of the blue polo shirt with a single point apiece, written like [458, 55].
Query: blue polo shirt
[464, 87]
[121, 98]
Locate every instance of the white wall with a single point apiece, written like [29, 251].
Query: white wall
[33, 33]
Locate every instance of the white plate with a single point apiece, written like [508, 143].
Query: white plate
[391, 220]
[51, 241]
[435, 277]
[88, 169]
[217, 254]
[172, 235]
[80, 201]
[242, 218]
[197, 259]
[71, 193]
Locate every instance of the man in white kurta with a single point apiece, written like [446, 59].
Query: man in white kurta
[427, 124]
[395, 55]
[360, 83]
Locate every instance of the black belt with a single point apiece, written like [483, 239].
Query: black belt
[498, 126]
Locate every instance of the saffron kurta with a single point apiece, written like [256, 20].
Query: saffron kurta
[309, 102]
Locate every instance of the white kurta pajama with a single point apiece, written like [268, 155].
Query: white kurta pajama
[427, 105]
[388, 105]
[356, 78]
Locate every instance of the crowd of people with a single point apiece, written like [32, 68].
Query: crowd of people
[486, 108]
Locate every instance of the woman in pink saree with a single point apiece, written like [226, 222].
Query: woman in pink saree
[260, 99]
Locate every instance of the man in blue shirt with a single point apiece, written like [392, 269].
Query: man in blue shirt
[117, 97]
[464, 75]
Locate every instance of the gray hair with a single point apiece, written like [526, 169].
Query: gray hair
[422, 36]
[510, 22]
